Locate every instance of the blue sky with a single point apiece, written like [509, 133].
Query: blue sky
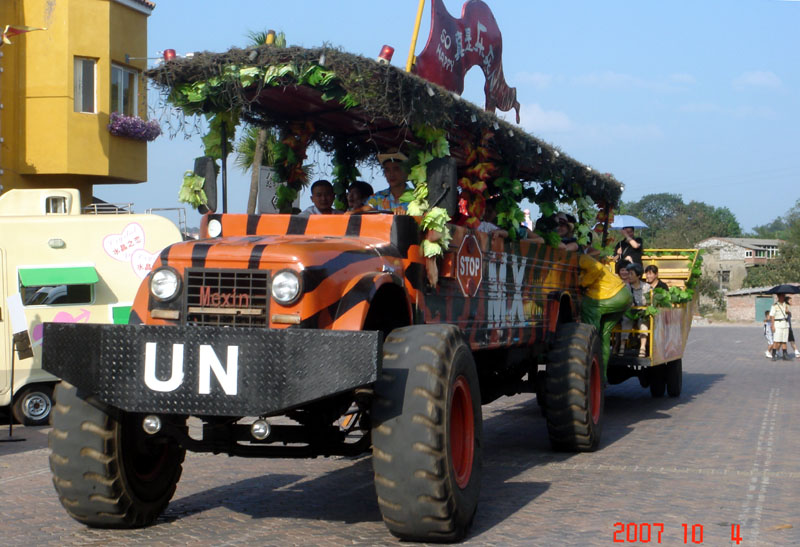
[696, 97]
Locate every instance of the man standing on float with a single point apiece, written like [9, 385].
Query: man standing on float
[394, 169]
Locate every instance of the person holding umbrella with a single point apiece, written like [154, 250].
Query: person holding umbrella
[631, 248]
[779, 323]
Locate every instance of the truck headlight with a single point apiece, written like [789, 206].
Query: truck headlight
[285, 287]
[164, 283]
[214, 228]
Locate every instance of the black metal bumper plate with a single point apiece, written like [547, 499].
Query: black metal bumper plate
[213, 371]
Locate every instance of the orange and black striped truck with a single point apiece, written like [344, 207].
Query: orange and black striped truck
[326, 332]
[303, 336]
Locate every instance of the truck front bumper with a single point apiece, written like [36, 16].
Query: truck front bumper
[212, 371]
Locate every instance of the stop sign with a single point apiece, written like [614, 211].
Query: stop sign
[469, 267]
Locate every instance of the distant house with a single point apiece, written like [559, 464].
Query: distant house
[727, 259]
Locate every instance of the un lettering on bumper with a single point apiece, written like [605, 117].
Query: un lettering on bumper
[214, 371]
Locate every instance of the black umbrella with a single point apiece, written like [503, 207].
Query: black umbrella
[784, 289]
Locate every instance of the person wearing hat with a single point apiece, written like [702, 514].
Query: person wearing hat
[779, 323]
[629, 250]
[393, 163]
[565, 228]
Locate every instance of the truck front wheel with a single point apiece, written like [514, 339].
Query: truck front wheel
[427, 434]
[107, 471]
[574, 394]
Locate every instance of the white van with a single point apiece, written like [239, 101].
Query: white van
[66, 266]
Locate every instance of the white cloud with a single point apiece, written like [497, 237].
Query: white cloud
[683, 78]
[538, 80]
[741, 112]
[538, 121]
[754, 112]
[616, 80]
[700, 108]
[757, 78]
[554, 124]
[622, 132]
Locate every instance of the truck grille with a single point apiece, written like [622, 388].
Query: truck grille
[227, 297]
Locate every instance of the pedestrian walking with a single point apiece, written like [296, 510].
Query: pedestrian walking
[791, 333]
[768, 334]
[779, 318]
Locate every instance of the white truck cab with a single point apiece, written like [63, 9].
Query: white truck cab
[66, 266]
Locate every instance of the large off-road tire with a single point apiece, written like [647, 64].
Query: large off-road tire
[427, 434]
[658, 380]
[674, 377]
[574, 394]
[107, 472]
[33, 404]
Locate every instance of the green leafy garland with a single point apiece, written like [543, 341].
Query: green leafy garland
[191, 191]
[435, 219]
[344, 173]
[213, 96]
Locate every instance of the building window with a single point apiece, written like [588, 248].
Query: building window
[124, 86]
[84, 91]
[724, 279]
[748, 254]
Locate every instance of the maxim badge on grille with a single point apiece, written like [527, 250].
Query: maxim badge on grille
[220, 299]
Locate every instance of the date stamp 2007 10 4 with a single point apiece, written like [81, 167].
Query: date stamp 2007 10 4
[647, 532]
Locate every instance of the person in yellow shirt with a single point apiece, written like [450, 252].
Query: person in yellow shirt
[605, 300]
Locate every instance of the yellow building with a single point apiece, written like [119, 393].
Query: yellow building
[59, 86]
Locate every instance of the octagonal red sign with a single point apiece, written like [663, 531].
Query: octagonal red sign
[469, 270]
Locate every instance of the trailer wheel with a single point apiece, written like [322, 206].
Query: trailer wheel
[107, 472]
[427, 434]
[674, 377]
[32, 405]
[657, 380]
[574, 392]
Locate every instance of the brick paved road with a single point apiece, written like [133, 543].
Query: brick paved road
[725, 452]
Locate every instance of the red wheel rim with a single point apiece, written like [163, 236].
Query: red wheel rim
[462, 432]
[596, 389]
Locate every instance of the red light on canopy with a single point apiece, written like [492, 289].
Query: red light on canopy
[169, 54]
[385, 56]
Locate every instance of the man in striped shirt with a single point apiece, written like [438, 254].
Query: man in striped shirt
[394, 169]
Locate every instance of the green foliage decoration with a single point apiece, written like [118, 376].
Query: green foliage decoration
[344, 172]
[434, 218]
[191, 191]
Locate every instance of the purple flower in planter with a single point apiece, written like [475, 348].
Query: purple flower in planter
[133, 127]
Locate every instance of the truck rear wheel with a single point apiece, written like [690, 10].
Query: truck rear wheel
[33, 404]
[657, 381]
[107, 471]
[427, 434]
[574, 394]
[674, 377]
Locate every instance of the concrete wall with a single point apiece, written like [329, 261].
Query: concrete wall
[742, 308]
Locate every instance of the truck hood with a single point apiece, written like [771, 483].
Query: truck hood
[268, 251]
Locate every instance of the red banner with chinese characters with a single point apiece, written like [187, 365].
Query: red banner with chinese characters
[456, 45]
